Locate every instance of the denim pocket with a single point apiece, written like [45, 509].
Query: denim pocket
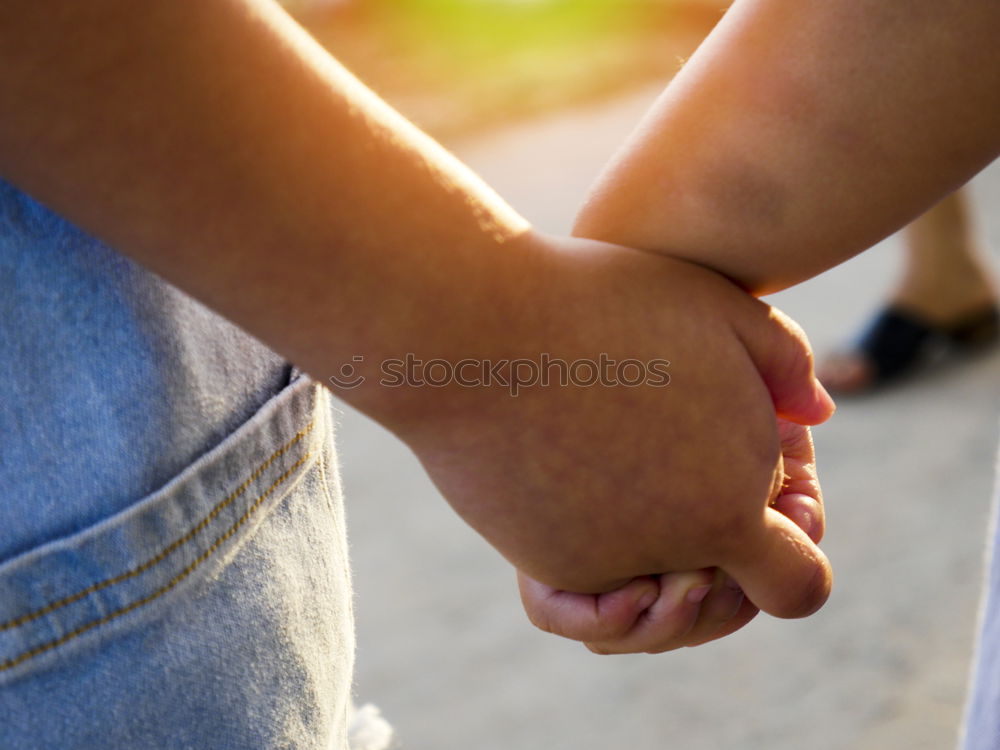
[213, 613]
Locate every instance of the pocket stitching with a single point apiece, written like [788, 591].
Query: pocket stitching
[158, 558]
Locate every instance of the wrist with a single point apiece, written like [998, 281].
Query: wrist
[438, 348]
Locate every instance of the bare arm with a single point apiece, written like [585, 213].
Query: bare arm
[801, 133]
[215, 142]
[218, 144]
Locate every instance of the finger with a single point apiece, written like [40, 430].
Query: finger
[781, 570]
[665, 624]
[800, 497]
[804, 512]
[799, 457]
[720, 606]
[586, 617]
[724, 611]
[780, 350]
[746, 612]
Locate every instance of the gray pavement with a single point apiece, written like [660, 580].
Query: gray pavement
[446, 653]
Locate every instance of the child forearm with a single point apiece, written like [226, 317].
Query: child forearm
[802, 133]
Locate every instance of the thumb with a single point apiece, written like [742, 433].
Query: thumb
[783, 573]
[780, 350]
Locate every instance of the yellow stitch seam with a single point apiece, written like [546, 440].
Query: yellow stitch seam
[166, 551]
[38, 650]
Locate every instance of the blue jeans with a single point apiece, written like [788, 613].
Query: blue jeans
[214, 613]
[173, 565]
[982, 711]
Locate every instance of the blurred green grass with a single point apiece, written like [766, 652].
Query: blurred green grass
[454, 66]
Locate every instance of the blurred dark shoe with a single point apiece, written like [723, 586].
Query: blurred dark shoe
[899, 343]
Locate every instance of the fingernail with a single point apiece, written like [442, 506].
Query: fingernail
[697, 594]
[731, 584]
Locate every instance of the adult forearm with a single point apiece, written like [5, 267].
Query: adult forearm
[216, 143]
[801, 133]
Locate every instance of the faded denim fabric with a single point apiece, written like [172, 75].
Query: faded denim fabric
[111, 380]
[173, 564]
[981, 730]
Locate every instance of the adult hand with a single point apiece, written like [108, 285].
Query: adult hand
[586, 487]
[674, 610]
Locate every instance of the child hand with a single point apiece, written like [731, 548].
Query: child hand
[651, 614]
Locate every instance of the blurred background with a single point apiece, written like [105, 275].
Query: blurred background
[536, 95]
[454, 66]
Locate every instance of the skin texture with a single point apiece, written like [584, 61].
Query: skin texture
[654, 614]
[800, 134]
[217, 144]
[611, 482]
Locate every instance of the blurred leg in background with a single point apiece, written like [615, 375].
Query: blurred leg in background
[944, 306]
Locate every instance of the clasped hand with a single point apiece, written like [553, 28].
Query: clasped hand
[638, 498]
